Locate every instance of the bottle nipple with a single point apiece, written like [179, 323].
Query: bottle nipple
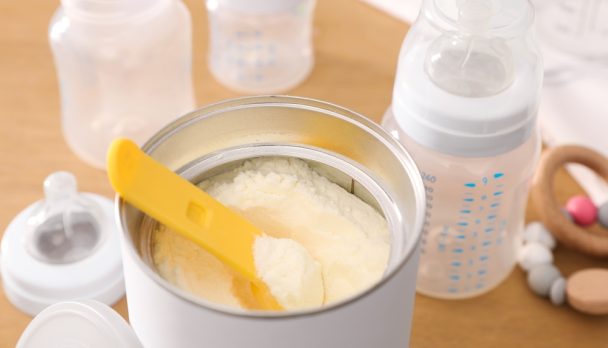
[67, 226]
[468, 61]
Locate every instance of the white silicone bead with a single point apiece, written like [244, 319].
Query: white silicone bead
[541, 278]
[533, 254]
[537, 232]
[602, 215]
[557, 293]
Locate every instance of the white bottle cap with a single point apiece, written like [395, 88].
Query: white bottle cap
[461, 126]
[88, 324]
[62, 248]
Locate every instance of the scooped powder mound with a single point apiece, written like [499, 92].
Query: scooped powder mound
[292, 275]
[285, 198]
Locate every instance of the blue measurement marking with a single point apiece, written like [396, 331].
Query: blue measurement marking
[457, 250]
[497, 193]
[463, 223]
[441, 247]
[461, 236]
[483, 257]
[479, 286]
[469, 199]
[489, 229]
[484, 197]
[470, 184]
[494, 205]
[465, 211]
[486, 243]
[455, 277]
[456, 263]
[482, 272]
[491, 217]
[477, 221]
[473, 248]
[498, 175]
[452, 290]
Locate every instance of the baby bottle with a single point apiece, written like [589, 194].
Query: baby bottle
[260, 46]
[464, 105]
[124, 70]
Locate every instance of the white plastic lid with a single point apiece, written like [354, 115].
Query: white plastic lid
[461, 126]
[33, 283]
[88, 323]
[262, 6]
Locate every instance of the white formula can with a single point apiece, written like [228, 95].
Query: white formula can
[351, 151]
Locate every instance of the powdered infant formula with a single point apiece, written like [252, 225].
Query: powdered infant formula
[348, 240]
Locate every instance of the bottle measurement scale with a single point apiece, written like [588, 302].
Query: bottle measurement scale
[467, 245]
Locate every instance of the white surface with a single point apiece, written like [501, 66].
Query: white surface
[32, 285]
[576, 112]
[86, 324]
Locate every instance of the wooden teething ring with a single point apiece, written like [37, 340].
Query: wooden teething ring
[565, 231]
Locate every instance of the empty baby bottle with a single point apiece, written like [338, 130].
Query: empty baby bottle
[260, 46]
[124, 70]
[464, 105]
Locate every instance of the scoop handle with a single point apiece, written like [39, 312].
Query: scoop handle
[182, 207]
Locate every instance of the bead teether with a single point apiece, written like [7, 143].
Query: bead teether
[566, 231]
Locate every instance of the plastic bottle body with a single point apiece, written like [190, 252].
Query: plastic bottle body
[260, 51]
[121, 77]
[474, 218]
[464, 104]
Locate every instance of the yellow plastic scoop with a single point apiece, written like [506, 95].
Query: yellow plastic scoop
[186, 209]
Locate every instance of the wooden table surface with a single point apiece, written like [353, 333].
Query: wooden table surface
[356, 51]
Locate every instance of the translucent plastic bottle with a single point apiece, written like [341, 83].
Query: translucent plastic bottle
[260, 46]
[124, 69]
[464, 105]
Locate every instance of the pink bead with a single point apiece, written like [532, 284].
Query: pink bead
[582, 210]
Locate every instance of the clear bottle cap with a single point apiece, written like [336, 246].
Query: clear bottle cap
[63, 247]
[468, 62]
[67, 226]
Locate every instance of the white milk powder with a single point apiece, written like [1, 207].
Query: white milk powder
[286, 199]
[293, 276]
